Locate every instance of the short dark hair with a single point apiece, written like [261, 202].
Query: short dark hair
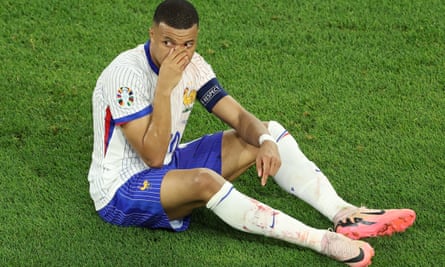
[179, 14]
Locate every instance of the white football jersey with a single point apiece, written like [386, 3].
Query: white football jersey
[124, 92]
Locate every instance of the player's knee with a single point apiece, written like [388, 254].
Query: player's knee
[272, 123]
[275, 129]
[207, 182]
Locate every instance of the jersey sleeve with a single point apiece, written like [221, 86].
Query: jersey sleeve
[127, 96]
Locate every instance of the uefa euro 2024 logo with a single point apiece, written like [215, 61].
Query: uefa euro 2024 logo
[125, 96]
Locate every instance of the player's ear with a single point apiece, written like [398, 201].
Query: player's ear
[150, 33]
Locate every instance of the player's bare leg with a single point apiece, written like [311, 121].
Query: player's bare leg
[237, 155]
[184, 190]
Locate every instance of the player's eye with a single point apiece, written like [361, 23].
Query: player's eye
[188, 44]
[168, 43]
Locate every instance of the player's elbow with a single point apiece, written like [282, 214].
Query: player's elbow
[156, 165]
[154, 162]
[153, 155]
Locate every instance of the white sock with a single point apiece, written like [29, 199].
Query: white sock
[302, 178]
[249, 215]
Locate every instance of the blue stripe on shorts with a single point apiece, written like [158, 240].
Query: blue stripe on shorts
[137, 202]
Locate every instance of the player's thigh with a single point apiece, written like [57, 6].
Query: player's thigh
[237, 155]
[184, 190]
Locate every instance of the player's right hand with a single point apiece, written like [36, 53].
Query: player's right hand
[268, 161]
[171, 69]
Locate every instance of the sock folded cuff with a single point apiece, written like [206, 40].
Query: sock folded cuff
[276, 130]
[220, 195]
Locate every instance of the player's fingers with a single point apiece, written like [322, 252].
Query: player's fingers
[264, 180]
[184, 62]
[168, 57]
[275, 166]
[173, 54]
[179, 54]
[270, 169]
[181, 58]
[265, 171]
[259, 167]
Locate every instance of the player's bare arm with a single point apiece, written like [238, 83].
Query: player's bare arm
[250, 128]
[150, 135]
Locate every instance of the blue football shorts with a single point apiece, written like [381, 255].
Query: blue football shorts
[137, 202]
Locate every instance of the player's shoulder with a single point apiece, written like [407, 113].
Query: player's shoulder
[130, 62]
[134, 57]
[198, 64]
[198, 59]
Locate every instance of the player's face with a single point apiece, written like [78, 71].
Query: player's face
[163, 38]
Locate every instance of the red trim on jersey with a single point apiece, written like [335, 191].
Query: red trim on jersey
[109, 126]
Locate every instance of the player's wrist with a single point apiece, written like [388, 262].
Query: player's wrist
[266, 137]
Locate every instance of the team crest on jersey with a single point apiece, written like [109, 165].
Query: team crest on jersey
[145, 186]
[188, 98]
[125, 96]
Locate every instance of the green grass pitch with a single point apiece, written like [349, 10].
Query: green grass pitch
[360, 84]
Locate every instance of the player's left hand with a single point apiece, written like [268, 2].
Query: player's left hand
[268, 161]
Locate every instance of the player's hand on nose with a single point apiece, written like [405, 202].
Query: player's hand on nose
[172, 67]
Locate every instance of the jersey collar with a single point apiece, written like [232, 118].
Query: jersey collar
[150, 60]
